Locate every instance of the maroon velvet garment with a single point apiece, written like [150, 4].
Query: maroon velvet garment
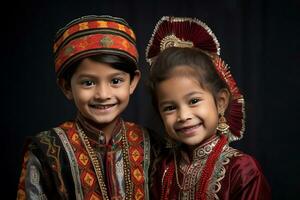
[236, 175]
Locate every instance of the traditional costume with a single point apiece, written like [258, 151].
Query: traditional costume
[213, 170]
[73, 160]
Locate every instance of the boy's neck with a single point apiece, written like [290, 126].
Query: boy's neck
[95, 129]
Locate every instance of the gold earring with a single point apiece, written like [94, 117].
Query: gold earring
[223, 127]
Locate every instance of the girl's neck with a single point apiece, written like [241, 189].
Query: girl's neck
[190, 149]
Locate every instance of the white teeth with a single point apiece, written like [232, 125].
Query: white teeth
[102, 106]
[190, 127]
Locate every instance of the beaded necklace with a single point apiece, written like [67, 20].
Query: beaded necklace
[97, 166]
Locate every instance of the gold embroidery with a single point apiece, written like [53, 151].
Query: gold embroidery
[106, 42]
[97, 166]
[220, 171]
[83, 26]
[173, 41]
[192, 172]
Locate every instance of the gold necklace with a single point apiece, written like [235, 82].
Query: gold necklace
[176, 175]
[97, 166]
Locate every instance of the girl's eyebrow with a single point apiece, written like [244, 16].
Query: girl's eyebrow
[163, 103]
[193, 93]
[185, 96]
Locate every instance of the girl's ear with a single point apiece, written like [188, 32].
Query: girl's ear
[66, 88]
[135, 80]
[223, 100]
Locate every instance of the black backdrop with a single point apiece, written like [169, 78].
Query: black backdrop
[259, 40]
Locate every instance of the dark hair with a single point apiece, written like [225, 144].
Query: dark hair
[114, 61]
[201, 67]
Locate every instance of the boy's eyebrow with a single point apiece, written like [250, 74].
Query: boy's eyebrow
[118, 73]
[91, 75]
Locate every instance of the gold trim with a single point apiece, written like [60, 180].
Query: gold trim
[72, 159]
[173, 41]
[220, 171]
[97, 166]
[179, 19]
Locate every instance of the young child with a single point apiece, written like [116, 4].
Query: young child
[202, 110]
[98, 155]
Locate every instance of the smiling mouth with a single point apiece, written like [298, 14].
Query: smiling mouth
[188, 130]
[103, 107]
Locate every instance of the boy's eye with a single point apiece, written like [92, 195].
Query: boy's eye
[116, 81]
[87, 83]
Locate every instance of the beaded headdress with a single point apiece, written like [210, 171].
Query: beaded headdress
[92, 35]
[193, 33]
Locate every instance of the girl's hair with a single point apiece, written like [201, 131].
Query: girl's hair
[201, 68]
[116, 62]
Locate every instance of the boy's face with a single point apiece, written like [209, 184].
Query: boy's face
[188, 111]
[100, 92]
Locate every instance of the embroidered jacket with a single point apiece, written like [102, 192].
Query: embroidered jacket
[235, 176]
[71, 162]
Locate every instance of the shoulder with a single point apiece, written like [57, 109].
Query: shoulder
[47, 139]
[244, 167]
[149, 134]
[245, 175]
[52, 131]
[137, 129]
[245, 162]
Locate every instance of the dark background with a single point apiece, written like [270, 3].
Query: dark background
[259, 40]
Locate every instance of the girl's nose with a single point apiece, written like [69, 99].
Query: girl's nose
[183, 115]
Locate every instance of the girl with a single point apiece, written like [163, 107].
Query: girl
[202, 111]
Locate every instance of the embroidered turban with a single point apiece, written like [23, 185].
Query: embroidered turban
[93, 35]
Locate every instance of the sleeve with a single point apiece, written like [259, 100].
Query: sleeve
[156, 178]
[33, 179]
[247, 180]
[30, 184]
[154, 169]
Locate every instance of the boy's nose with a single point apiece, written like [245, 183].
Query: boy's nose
[103, 92]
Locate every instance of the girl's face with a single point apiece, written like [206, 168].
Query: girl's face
[188, 111]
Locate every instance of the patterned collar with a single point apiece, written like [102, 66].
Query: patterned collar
[202, 151]
[95, 134]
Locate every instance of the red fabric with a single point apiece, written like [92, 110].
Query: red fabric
[186, 29]
[92, 42]
[209, 167]
[244, 180]
[89, 25]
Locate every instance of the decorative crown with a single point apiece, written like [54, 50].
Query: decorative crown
[181, 32]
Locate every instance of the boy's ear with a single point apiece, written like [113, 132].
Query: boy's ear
[66, 88]
[135, 80]
[223, 100]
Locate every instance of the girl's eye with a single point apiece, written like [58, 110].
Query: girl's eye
[194, 101]
[116, 81]
[87, 83]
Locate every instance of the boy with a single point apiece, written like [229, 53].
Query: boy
[98, 155]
